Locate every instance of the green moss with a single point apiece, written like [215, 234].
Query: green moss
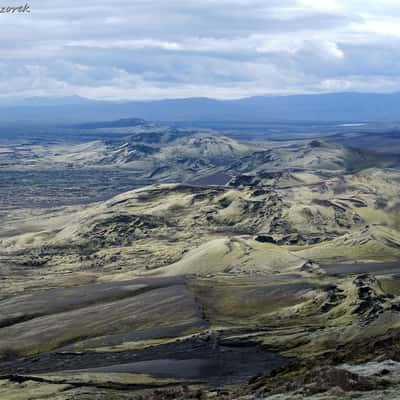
[390, 286]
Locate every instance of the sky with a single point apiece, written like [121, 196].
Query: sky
[134, 49]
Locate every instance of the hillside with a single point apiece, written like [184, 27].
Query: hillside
[162, 154]
[256, 226]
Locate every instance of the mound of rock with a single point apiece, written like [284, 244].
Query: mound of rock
[326, 378]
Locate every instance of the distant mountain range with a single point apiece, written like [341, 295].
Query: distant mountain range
[335, 107]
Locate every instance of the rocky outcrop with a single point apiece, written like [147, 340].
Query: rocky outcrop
[371, 303]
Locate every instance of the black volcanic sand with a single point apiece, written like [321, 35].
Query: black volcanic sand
[349, 269]
[61, 187]
[198, 359]
[58, 300]
[217, 179]
[203, 357]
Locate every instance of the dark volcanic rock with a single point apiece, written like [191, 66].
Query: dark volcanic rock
[265, 239]
[316, 144]
[311, 381]
[371, 303]
[244, 180]
[334, 297]
[324, 378]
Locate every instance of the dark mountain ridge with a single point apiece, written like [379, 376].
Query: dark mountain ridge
[341, 107]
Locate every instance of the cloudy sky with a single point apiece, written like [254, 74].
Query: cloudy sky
[147, 49]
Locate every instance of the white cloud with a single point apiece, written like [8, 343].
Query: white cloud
[322, 6]
[125, 44]
[216, 48]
